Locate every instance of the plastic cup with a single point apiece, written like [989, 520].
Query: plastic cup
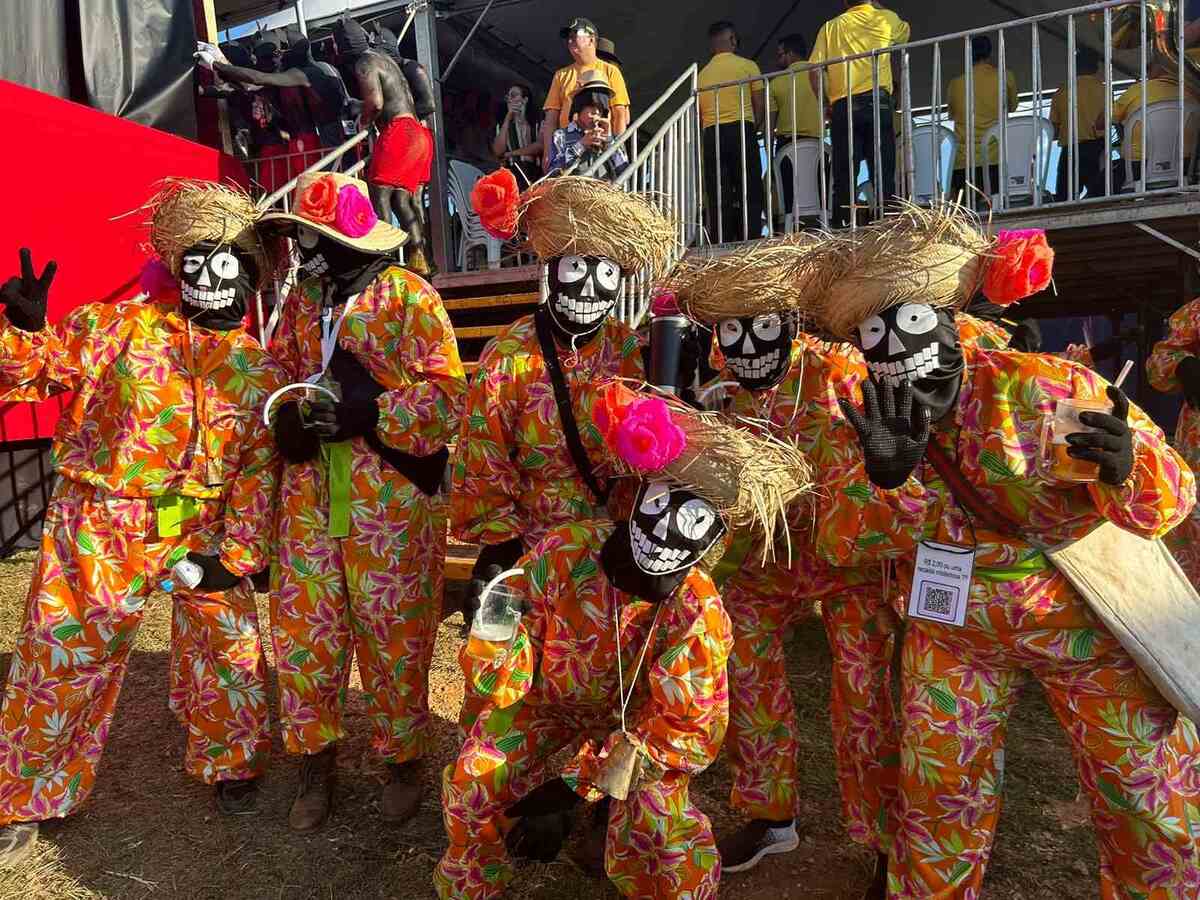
[496, 619]
[666, 346]
[1056, 462]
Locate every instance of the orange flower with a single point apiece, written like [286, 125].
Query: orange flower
[319, 201]
[610, 408]
[495, 199]
[1023, 266]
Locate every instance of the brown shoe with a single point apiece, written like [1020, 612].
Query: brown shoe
[401, 796]
[17, 843]
[416, 262]
[314, 797]
[878, 887]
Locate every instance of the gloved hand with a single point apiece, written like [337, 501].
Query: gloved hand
[345, 419]
[25, 298]
[1112, 445]
[1188, 373]
[1026, 337]
[216, 576]
[297, 441]
[552, 797]
[539, 838]
[893, 435]
[492, 560]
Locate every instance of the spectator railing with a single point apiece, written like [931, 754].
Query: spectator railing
[1144, 27]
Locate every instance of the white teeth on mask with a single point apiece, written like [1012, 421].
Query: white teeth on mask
[204, 299]
[911, 368]
[584, 310]
[753, 368]
[316, 266]
[653, 557]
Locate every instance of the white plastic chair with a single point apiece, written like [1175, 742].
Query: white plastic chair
[1161, 167]
[1024, 178]
[806, 178]
[926, 181]
[462, 179]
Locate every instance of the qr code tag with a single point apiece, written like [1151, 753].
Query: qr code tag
[941, 583]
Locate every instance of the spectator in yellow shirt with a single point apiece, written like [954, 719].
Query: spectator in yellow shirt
[1090, 92]
[986, 90]
[863, 27]
[1161, 87]
[731, 117]
[794, 109]
[581, 36]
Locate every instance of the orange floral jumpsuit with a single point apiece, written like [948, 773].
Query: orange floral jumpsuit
[1023, 618]
[376, 592]
[146, 472]
[557, 684]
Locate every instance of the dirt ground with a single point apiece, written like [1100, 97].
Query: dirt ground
[149, 831]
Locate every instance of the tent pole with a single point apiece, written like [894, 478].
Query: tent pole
[425, 31]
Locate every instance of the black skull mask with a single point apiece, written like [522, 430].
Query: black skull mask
[583, 292]
[323, 257]
[916, 343]
[215, 282]
[757, 350]
[671, 528]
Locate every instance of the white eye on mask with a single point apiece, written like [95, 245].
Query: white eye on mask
[671, 528]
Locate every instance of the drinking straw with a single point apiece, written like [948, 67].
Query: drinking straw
[1124, 371]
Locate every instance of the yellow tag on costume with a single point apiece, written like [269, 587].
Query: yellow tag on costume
[172, 511]
[338, 463]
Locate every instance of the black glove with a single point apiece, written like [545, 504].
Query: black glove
[539, 838]
[552, 797]
[297, 441]
[262, 580]
[893, 437]
[493, 559]
[1026, 337]
[216, 576]
[1111, 446]
[25, 298]
[344, 419]
[1188, 373]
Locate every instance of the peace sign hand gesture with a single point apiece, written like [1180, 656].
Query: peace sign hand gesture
[24, 298]
[894, 433]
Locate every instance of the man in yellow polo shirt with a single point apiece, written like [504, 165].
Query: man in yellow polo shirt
[1162, 87]
[731, 116]
[794, 107]
[581, 38]
[985, 82]
[863, 27]
[1089, 126]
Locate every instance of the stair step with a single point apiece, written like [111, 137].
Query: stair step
[461, 304]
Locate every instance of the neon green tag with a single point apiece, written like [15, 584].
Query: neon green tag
[172, 511]
[337, 465]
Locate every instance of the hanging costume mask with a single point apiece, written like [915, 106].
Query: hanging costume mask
[215, 282]
[757, 350]
[916, 343]
[583, 293]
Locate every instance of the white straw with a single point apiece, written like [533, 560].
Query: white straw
[1125, 371]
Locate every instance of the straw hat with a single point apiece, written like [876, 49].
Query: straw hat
[185, 212]
[578, 216]
[607, 50]
[339, 207]
[593, 80]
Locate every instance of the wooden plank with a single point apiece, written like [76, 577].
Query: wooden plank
[511, 275]
[478, 331]
[494, 302]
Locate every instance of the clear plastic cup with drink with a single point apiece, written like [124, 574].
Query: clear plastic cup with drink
[1054, 460]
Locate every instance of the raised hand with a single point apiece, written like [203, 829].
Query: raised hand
[1112, 445]
[893, 430]
[25, 297]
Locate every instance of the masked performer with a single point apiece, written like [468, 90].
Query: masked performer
[1175, 367]
[528, 459]
[160, 454]
[606, 604]
[396, 98]
[362, 521]
[950, 436]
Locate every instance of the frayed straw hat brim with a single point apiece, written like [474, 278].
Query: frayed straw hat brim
[383, 238]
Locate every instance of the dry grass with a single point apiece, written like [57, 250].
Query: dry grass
[151, 832]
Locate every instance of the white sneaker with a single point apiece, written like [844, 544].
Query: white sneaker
[743, 849]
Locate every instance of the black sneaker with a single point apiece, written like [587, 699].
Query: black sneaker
[237, 798]
[17, 842]
[743, 849]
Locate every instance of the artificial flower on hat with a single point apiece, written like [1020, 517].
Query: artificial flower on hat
[339, 207]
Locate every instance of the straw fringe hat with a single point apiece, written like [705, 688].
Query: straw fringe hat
[184, 212]
[314, 205]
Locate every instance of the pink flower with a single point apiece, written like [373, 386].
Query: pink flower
[354, 216]
[647, 438]
[664, 304]
[156, 279]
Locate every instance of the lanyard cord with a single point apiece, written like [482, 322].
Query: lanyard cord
[625, 698]
[330, 330]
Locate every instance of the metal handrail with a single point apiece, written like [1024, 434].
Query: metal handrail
[332, 156]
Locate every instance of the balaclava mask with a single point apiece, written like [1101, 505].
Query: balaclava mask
[583, 292]
[670, 530]
[757, 350]
[264, 57]
[298, 55]
[216, 281]
[916, 343]
[325, 258]
[351, 39]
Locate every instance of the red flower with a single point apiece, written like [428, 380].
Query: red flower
[354, 216]
[647, 438]
[1023, 266]
[495, 198]
[319, 201]
[664, 304]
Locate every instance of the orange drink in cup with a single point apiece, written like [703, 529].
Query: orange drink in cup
[1056, 462]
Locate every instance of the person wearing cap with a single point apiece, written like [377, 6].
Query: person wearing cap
[581, 37]
[361, 519]
[864, 27]
[950, 438]
[620, 653]
[161, 455]
[587, 137]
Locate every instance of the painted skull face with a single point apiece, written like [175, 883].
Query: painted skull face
[215, 282]
[916, 343]
[671, 528]
[321, 256]
[757, 350]
[583, 292]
